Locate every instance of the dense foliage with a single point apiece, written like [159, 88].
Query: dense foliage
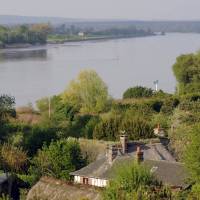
[58, 159]
[192, 157]
[110, 128]
[89, 92]
[32, 34]
[187, 72]
[85, 110]
[7, 104]
[137, 92]
[134, 181]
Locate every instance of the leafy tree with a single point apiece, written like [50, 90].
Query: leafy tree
[187, 73]
[58, 159]
[88, 91]
[137, 128]
[7, 110]
[108, 128]
[191, 154]
[34, 138]
[33, 34]
[6, 107]
[138, 92]
[13, 160]
[134, 181]
[90, 126]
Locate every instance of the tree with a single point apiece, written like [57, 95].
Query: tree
[187, 73]
[134, 181]
[88, 91]
[13, 160]
[108, 128]
[36, 137]
[191, 154]
[7, 110]
[6, 107]
[137, 128]
[58, 159]
[137, 92]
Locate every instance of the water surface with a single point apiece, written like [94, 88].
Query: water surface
[29, 74]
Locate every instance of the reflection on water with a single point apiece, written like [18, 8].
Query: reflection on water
[14, 55]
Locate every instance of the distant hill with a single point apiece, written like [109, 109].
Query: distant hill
[14, 20]
[156, 26]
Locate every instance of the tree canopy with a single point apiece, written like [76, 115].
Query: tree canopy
[191, 153]
[134, 181]
[137, 92]
[88, 91]
[36, 33]
[7, 109]
[187, 73]
[58, 159]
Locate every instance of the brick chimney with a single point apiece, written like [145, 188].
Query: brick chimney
[124, 143]
[139, 154]
[112, 152]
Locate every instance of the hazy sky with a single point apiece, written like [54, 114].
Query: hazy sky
[123, 9]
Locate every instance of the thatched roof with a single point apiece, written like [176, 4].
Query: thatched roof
[53, 189]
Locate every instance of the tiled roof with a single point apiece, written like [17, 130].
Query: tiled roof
[156, 157]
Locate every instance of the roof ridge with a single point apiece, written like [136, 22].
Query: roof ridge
[166, 161]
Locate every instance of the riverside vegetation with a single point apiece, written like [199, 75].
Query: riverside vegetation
[85, 117]
[32, 34]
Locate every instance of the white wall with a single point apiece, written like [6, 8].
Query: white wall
[77, 179]
[92, 181]
[99, 182]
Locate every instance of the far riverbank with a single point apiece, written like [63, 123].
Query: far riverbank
[72, 39]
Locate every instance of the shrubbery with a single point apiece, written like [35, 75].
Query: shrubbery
[137, 92]
[134, 181]
[58, 159]
[187, 71]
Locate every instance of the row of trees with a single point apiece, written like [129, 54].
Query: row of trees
[32, 34]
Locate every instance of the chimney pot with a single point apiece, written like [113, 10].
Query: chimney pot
[112, 153]
[124, 143]
[139, 154]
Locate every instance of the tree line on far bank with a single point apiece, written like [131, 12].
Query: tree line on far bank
[31, 34]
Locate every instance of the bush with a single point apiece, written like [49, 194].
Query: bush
[134, 181]
[191, 154]
[58, 159]
[36, 137]
[90, 126]
[137, 128]
[187, 71]
[137, 92]
[108, 129]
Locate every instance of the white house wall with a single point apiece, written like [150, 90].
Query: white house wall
[92, 181]
[98, 182]
[77, 179]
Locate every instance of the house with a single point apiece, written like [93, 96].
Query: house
[81, 34]
[155, 156]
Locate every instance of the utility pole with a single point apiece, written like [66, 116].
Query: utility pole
[49, 107]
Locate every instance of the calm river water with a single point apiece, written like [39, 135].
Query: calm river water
[29, 74]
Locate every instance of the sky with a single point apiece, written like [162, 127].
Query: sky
[105, 9]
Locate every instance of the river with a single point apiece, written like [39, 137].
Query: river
[32, 73]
